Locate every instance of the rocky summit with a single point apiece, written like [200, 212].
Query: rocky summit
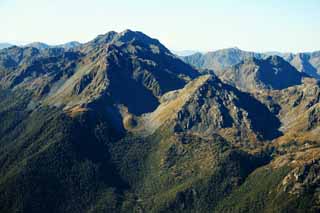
[121, 124]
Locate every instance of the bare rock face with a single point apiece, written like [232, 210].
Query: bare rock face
[304, 179]
[297, 107]
[308, 63]
[207, 106]
[314, 118]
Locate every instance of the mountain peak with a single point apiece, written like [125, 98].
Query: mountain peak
[120, 124]
[207, 105]
[128, 31]
[104, 38]
[126, 37]
[140, 37]
[276, 60]
[129, 35]
[38, 45]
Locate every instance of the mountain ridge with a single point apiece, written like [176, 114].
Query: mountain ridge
[120, 124]
[259, 74]
[221, 59]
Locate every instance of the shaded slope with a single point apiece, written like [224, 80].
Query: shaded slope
[119, 124]
[308, 63]
[297, 108]
[207, 106]
[108, 68]
[50, 162]
[254, 74]
[179, 172]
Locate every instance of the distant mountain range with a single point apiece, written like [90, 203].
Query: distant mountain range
[40, 45]
[5, 45]
[184, 52]
[308, 63]
[121, 124]
[259, 74]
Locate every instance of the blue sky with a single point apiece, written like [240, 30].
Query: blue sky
[264, 25]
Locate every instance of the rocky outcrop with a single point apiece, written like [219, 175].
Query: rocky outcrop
[207, 106]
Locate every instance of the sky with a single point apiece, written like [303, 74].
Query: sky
[203, 25]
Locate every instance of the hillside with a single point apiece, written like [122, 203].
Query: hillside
[262, 74]
[120, 124]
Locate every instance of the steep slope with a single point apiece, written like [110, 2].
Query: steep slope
[207, 106]
[298, 109]
[57, 159]
[50, 162]
[307, 62]
[191, 163]
[116, 64]
[36, 70]
[184, 172]
[120, 124]
[291, 179]
[261, 74]
[286, 186]
[105, 69]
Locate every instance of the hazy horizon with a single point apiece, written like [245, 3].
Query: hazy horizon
[286, 26]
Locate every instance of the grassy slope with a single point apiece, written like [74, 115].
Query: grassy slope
[52, 163]
[170, 172]
[261, 193]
